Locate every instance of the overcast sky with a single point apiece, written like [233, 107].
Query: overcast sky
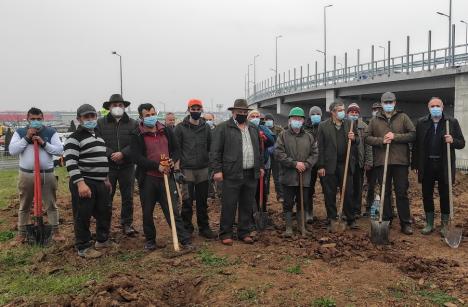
[56, 54]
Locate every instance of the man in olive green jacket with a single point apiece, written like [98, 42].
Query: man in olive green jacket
[396, 129]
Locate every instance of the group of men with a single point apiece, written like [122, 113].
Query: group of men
[236, 157]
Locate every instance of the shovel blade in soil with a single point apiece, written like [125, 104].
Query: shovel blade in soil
[453, 236]
[337, 225]
[380, 232]
[39, 234]
[261, 220]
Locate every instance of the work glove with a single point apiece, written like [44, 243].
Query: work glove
[179, 177]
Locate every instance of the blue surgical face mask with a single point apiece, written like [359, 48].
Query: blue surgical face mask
[210, 123]
[315, 119]
[436, 112]
[296, 124]
[255, 121]
[353, 117]
[269, 123]
[36, 124]
[150, 121]
[90, 124]
[388, 107]
[341, 115]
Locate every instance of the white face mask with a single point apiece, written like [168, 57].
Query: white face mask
[117, 112]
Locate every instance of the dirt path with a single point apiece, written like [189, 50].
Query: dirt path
[322, 270]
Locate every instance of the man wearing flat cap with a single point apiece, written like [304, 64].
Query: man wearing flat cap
[395, 128]
[236, 160]
[116, 129]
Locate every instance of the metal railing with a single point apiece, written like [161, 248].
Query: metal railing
[303, 78]
[7, 161]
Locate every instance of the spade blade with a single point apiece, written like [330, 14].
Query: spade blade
[337, 225]
[453, 236]
[380, 232]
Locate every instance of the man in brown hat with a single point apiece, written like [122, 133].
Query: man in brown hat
[236, 160]
[116, 129]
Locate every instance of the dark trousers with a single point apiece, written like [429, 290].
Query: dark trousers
[292, 195]
[398, 174]
[126, 179]
[358, 181]
[199, 193]
[311, 191]
[84, 208]
[242, 192]
[152, 190]
[371, 176]
[275, 169]
[330, 184]
[434, 171]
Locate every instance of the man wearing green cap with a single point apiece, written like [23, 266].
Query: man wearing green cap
[296, 151]
[333, 137]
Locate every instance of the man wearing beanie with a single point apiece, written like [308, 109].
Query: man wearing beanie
[297, 152]
[311, 126]
[193, 135]
[275, 165]
[364, 157]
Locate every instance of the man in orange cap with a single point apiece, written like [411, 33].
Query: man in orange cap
[194, 137]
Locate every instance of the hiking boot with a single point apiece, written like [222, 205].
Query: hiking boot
[227, 241]
[105, 244]
[407, 229]
[128, 230]
[19, 240]
[444, 223]
[309, 217]
[429, 228]
[89, 253]
[57, 236]
[288, 219]
[188, 246]
[207, 233]
[150, 246]
[353, 225]
[247, 240]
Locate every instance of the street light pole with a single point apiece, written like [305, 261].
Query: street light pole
[276, 60]
[255, 72]
[248, 80]
[325, 41]
[120, 59]
[466, 35]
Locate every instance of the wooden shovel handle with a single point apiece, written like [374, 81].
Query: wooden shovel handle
[175, 240]
[345, 175]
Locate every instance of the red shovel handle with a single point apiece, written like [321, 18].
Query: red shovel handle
[37, 182]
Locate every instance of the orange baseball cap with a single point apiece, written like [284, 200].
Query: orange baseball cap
[195, 102]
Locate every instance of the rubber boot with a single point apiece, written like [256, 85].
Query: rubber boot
[299, 222]
[288, 220]
[444, 224]
[429, 228]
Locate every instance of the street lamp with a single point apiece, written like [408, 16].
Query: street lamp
[120, 58]
[248, 80]
[255, 71]
[276, 59]
[325, 41]
[384, 53]
[466, 35]
[164, 106]
[449, 16]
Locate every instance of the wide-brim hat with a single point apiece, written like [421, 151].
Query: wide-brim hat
[115, 98]
[240, 104]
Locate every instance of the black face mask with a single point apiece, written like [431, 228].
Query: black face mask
[241, 118]
[195, 115]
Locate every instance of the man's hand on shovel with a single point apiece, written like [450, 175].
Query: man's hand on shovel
[301, 167]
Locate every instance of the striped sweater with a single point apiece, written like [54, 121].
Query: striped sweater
[85, 156]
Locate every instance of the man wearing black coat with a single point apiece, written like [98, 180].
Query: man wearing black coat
[429, 159]
[116, 129]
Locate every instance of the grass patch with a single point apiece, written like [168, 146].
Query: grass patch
[130, 255]
[247, 295]
[12, 258]
[436, 297]
[42, 286]
[324, 302]
[6, 235]
[8, 189]
[208, 258]
[295, 269]
[397, 292]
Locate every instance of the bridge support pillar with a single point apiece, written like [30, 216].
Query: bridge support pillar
[461, 112]
[330, 97]
[281, 108]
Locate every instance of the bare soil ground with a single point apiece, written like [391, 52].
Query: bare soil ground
[321, 270]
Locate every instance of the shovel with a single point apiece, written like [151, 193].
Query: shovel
[175, 240]
[38, 233]
[260, 217]
[454, 234]
[340, 225]
[380, 229]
